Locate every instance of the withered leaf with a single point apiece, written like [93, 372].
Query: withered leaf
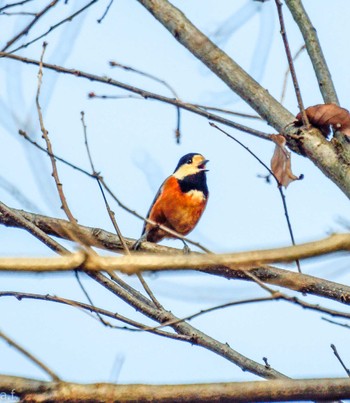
[327, 116]
[281, 164]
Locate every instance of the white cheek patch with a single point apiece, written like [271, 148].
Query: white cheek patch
[196, 195]
[184, 171]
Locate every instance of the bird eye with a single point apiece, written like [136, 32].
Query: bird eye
[189, 161]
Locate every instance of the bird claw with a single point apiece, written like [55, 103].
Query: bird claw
[138, 243]
[186, 250]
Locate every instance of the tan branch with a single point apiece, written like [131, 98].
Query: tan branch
[273, 390]
[29, 355]
[139, 262]
[145, 262]
[107, 240]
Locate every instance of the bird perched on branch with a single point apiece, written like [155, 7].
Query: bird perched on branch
[180, 201]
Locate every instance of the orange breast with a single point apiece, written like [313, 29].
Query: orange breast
[176, 210]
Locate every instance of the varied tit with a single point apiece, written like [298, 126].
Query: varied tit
[180, 201]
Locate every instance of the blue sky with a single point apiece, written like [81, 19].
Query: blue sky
[133, 146]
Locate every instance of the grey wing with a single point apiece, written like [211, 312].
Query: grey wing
[149, 211]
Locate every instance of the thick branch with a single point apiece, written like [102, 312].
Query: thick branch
[106, 240]
[219, 62]
[272, 391]
[137, 263]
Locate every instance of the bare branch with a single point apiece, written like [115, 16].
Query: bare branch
[111, 215]
[45, 135]
[163, 82]
[109, 241]
[18, 3]
[291, 64]
[335, 351]
[139, 262]
[26, 29]
[219, 62]
[314, 50]
[197, 337]
[22, 222]
[286, 74]
[53, 27]
[141, 92]
[91, 308]
[30, 356]
[240, 392]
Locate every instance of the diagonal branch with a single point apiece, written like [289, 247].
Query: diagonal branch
[314, 50]
[197, 337]
[143, 93]
[29, 355]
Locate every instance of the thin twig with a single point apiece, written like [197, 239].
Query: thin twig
[87, 296]
[336, 323]
[105, 12]
[18, 13]
[228, 111]
[286, 74]
[279, 187]
[27, 28]
[19, 3]
[53, 27]
[291, 64]
[314, 50]
[335, 351]
[58, 183]
[112, 214]
[215, 308]
[22, 222]
[198, 338]
[143, 93]
[101, 311]
[30, 356]
[163, 82]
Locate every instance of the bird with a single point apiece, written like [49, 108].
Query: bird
[180, 201]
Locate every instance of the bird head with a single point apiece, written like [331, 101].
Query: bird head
[190, 164]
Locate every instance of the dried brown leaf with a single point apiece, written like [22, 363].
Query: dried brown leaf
[281, 161]
[327, 116]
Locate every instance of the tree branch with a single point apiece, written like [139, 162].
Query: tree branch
[143, 93]
[107, 240]
[30, 356]
[139, 262]
[274, 390]
[314, 50]
[219, 62]
[310, 143]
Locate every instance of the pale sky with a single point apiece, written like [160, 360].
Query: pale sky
[133, 146]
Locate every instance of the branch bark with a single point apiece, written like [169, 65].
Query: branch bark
[107, 240]
[274, 390]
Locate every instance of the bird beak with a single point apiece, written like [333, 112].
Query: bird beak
[202, 166]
